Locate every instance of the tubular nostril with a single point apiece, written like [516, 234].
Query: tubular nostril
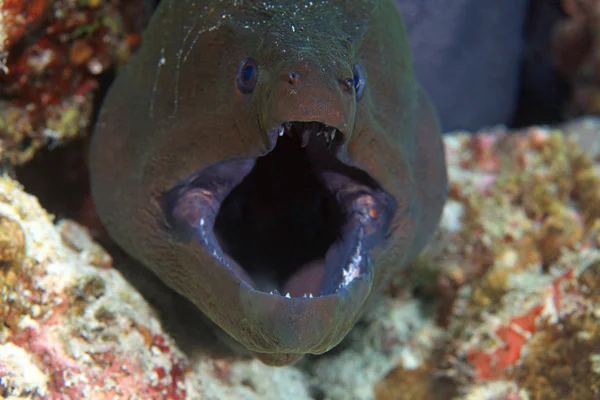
[346, 84]
[294, 78]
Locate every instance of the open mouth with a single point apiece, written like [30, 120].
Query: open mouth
[295, 222]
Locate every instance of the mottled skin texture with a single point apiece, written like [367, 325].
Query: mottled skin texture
[176, 109]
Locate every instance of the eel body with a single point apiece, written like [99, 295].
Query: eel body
[275, 162]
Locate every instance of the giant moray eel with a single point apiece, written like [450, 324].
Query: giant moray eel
[275, 162]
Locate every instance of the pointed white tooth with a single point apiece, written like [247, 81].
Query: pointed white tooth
[305, 138]
[271, 292]
[281, 131]
[288, 295]
[310, 295]
[304, 295]
[333, 132]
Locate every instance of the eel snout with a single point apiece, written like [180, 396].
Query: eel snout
[296, 222]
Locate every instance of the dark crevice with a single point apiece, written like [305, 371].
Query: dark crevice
[59, 179]
[543, 90]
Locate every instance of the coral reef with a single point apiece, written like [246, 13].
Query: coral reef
[517, 256]
[53, 55]
[503, 305]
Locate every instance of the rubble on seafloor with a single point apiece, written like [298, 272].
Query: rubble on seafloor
[503, 305]
[54, 56]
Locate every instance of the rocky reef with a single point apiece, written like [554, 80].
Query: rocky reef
[56, 57]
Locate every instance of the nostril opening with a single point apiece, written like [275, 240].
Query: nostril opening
[347, 84]
[294, 78]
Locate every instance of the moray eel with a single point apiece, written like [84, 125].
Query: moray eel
[275, 162]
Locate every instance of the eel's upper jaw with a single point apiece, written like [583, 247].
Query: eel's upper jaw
[296, 222]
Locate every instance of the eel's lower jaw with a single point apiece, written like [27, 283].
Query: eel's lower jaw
[278, 359]
[352, 215]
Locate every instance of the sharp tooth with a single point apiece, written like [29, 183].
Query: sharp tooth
[310, 295]
[304, 295]
[333, 132]
[281, 130]
[288, 295]
[305, 137]
[329, 137]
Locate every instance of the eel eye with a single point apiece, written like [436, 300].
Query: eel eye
[359, 81]
[247, 75]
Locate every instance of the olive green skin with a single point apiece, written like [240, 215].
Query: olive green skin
[176, 108]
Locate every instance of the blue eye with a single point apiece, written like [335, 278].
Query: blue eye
[247, 75]
[359, 81]
[247, 72]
